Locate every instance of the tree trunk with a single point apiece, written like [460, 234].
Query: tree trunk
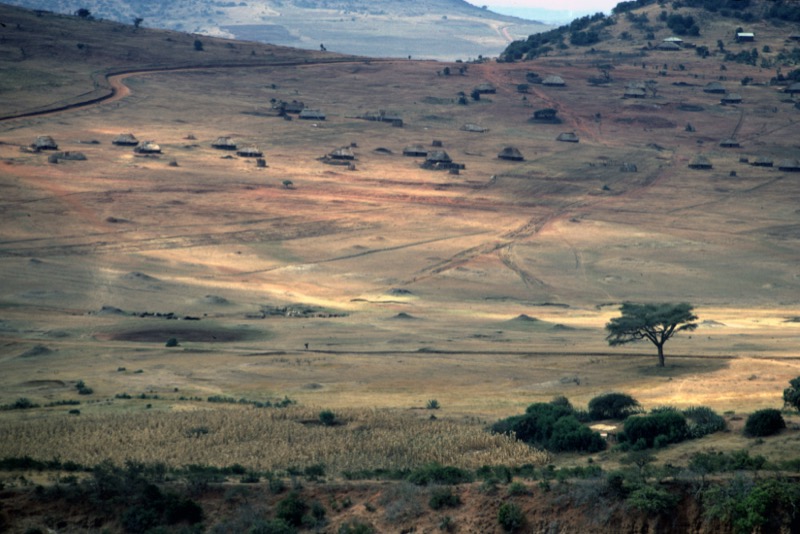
[660, 355]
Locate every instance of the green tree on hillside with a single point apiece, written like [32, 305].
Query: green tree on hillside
[654, 322]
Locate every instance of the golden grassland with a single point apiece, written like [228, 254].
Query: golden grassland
[561, 238]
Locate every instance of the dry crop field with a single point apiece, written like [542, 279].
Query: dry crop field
[382, 286]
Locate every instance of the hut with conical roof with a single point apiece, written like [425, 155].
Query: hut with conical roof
[224, 143]
[546, 115]
[568, 137]
[789, 165]
[440, 160]
[634, 92]
[731, 98]
[715, 88]
[729, 143]
[511, 153]
[700, 162]
[125, 139]
[312, 115]
[249, 152]
[485, 89]
[342, 154]
[762, 161]
[793, 89]
[44, 142]
[474, 128]
[415, 151]
[669, 46]
[554, 81]
[148, 147]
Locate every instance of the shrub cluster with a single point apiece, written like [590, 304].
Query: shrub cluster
[613, 406]
[553, 426]
[764, 422]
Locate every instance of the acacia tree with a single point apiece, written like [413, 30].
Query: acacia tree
[654, 322]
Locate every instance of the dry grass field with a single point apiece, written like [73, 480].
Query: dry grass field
[486, 290]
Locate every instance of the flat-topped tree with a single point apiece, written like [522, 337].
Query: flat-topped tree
[654, 322]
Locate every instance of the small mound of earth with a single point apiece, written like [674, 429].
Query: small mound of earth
[215, 300]
[312, 386]
[525, 318]
[711, 324]
[562, 327]
[792, 320]
[403, 316]
[135, 275]
[109, 310]
[56, 334]
[197, 335]
[399, 291]
[45, 383]
[382, 150]
[38, 350]
[35, 261]
[115, 220]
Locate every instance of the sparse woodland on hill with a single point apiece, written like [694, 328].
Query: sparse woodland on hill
[249, 288]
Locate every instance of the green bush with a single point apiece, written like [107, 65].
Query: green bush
[171, 342]
[764, 422]
[652, 499]
[354, 526]
[272, 526]
[791, 395]
[327, 418]
[613, 406]
[703, 421]
[751, 506]
[518, 488]
[510, 517]
[438, 474]
[641, 431]
[292, 509]
[443, 498]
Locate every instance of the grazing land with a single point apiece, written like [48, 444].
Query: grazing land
[373, 287]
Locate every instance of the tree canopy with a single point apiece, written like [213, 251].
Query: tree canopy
[656, 322]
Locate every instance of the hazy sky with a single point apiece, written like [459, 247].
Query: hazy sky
[592, 6]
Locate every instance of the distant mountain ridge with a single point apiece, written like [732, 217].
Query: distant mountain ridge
[436, 29]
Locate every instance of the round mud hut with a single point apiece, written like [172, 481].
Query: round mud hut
[415, 151]
[44, 142]
[125, 139]
[731, 98]
[729, 143]
[715, 88]
[148, 147]
[789, 165]
[249, 152]
[700, 163]
[568, 137]
[554, 81]
[511, 153]
[224, 143]
[762, 161]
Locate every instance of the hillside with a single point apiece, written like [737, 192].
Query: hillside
[350, 308]
[440, 29]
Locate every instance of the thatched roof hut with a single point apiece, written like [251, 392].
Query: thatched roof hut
[342, 154]
[126, 139]
[415, 151]
[224, 143]
[554, 81]
[44, 142]
[440, 160]
[731, 98]
[511, 153]
[312, 115]
[715, 88]
[635, 92]
[475, 128]
[794, 88]
[762, 161]
[295, 106]
[249, 152]
[485, 88]
[438, 156]
[789, 165]
[700, 162]
[568, 137]
[547, 115]
[729, 143]
[676, 40]
[148, 147]
[669, 46]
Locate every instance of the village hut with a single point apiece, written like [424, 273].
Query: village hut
[249, 152]
[789, 165]
[628, 167]
[44, 142]
[677, 40]
[729, 143]
[554, 81]
[793, 89]
[475, 128]
[295, 107]
[762, 161]
[715, 88]
[532, 77]
[440, 160]
[794, 37]
[700, 162]
[669, 46]
[511, 153]
[568, 137]
[342, 154]
[224, 143]
[731, 98]
[415, 151]
[126, 139]
[745, 37]
[635, 92]
[485, 89]
[148, 147]
[312, 115]
[546, 115]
